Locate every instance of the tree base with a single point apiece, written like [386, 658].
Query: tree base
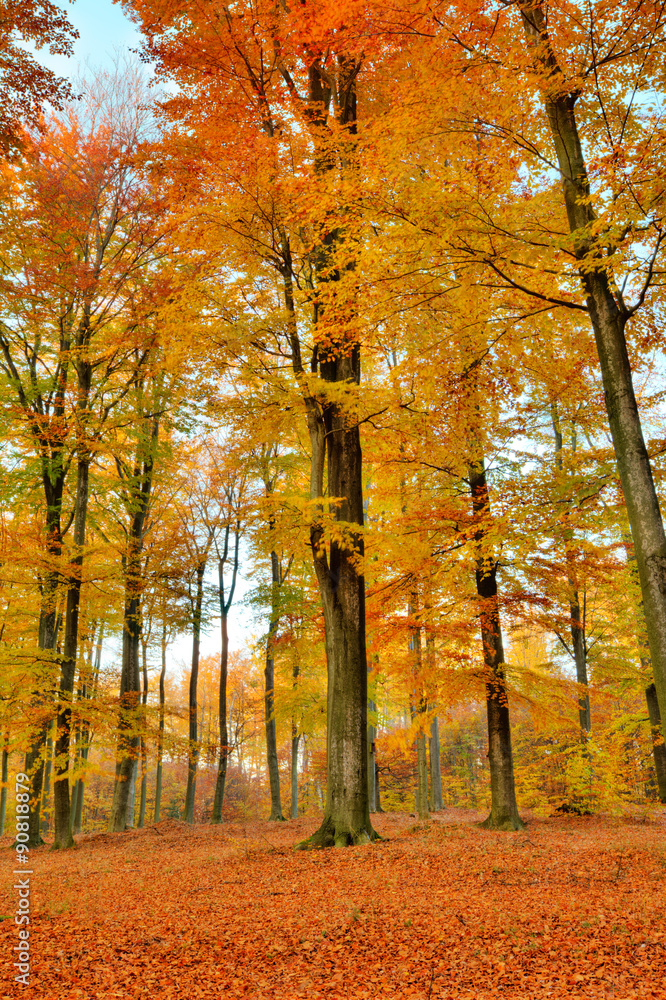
[40, 842]
[64, 846]
[508, 824]
[279, 818]
[332, 834]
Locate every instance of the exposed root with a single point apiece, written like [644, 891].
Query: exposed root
[330, 835]
[508, 824]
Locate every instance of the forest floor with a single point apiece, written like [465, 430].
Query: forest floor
[571, 907]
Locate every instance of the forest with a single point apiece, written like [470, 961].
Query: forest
[336, 328]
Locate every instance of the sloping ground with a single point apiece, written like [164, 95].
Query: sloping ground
[571, 907]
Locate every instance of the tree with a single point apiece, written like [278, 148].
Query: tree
[270, 78]
[25, 85]
[77, 212]
[231, 486]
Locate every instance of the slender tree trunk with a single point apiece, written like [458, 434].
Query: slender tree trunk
[418, 709]
[160, 733]
[576, 621]
[62, 815]
[138, 488]
[131, 798]
[658, 747]
[372, 736]
[45, 805]
[422, 776]
[436, 801]
[580, 658]
[224, 735]
[269, 690]
[86, 735]
[503, 810]
[193, 755]
[295, 738]
[225, 605]
[5, 779]
[75, 794]
[294, 771]
[378, 804]
[47, 641]
[128, 737]
[609, 317]
[80, 788]
[144, 742]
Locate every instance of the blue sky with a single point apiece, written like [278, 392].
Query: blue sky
[103, 29]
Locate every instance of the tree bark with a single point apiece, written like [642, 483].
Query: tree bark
[269, 690]
[47, 640]
[418, 710]
[86, 735]
[295, 738]
[658, 747]
[193, 754]
[144, 743]
[62, 815]
[160, 733]
[224, 733]
[341, 584]
[576, 622]
[436, 800]
[335, 440]
[138, 494]
[5, 779]
[609, 317]
[503, 810]
[225, 605]
[372, 736]
[47, 767]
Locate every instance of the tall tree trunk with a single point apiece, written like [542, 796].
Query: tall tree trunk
[436, 800]
[62, 816]
[47, 640]
[418, 710]
[45, 805]
[5, 779]
[269, 690]
[576, 621]
[657, 740]
[503, 810]
[658, 747]
[346, 815]
[86, 735]
[225, 605]
[224, 733]
[128, 737]
[160, 733]
[144, 743]
[372, 736]
[193, 754]
[335, 439]
[378, 804]
[609, 317]
[138, 489]
[295, 738]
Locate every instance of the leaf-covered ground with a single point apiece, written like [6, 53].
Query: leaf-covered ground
[571, 907]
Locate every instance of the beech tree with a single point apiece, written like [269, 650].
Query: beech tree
[26, 85]
[269, 77]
